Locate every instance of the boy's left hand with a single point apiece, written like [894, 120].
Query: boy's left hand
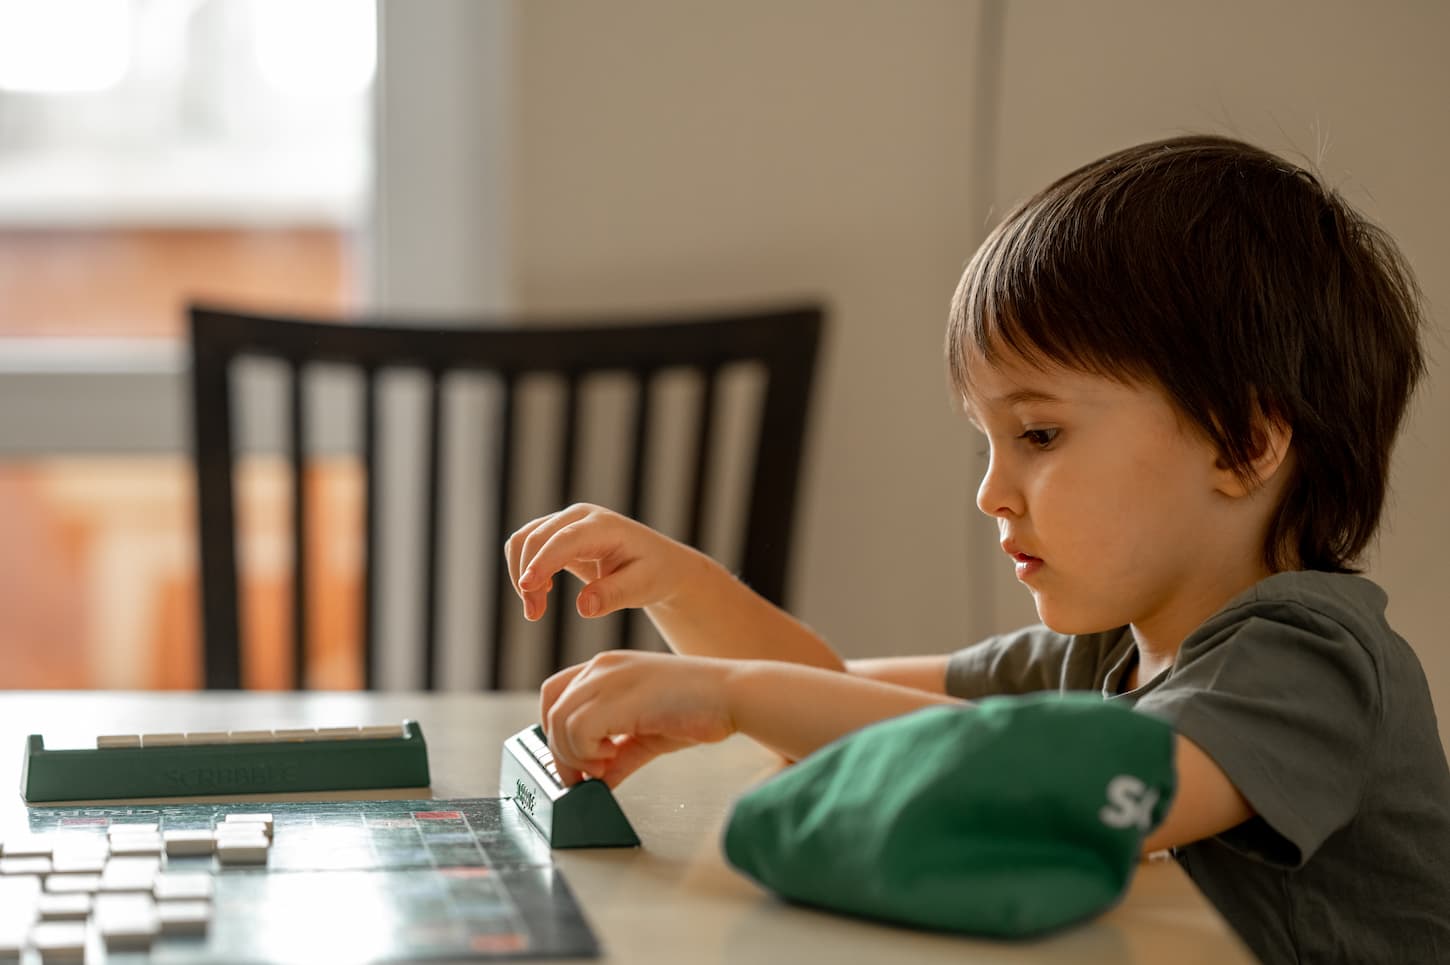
[610, 716]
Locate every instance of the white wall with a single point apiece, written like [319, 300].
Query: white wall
[439, 241]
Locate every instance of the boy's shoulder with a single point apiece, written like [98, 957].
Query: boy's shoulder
[1311, 597]
[1308, 625]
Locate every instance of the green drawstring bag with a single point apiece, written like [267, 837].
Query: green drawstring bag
[1011, 817]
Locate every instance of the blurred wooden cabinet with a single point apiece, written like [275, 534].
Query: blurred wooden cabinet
[97, 553]
[98, 574]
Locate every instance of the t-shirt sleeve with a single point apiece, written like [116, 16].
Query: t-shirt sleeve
[1286, 701]
[1022, 662]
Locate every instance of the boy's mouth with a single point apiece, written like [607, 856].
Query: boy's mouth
[1011, 548]
[1024, 563]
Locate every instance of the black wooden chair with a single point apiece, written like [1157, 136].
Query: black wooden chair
[780, 346]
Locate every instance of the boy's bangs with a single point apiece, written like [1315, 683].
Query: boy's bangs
[1022, 297]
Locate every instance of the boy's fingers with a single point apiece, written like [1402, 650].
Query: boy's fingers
[631, 755]
[573, 775]
[540, 536]
[617, 591]
[566, 739]
[550, 692]
[583, 741]
[572, 545]
[513, 548]
[567, 774]
[536, 601]
[573, 770]
[568, 706]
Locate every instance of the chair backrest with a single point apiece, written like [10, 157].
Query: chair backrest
[780, 344]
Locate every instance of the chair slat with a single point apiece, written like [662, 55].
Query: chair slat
[700, 469]
[297, 445]
[639, 460]
[568, 434]
[211, 421]
[790, 371]
[502, 511]
[368, 603]
[431, 521]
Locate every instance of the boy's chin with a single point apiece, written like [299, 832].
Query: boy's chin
[1071, 621]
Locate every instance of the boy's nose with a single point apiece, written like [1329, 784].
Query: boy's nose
[997, 496]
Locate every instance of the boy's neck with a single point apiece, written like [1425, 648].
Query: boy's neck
[1159, 637]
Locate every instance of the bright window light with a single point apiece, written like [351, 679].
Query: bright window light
[317, 47]
[63, 46]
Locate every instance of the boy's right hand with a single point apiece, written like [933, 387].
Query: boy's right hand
[623, 563]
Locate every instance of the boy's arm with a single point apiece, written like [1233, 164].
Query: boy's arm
[696, 604]
[698, 607]
[927, 673]
[613, 714]
[713, 614]
[1206, 802]
[796, 710]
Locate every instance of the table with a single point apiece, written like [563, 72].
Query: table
[674, 899]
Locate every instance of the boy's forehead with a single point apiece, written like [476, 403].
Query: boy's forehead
[1006, 383]
[1010, 380]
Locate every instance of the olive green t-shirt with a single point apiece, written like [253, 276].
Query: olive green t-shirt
[1319, 714]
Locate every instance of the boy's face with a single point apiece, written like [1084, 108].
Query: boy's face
[1113, 510]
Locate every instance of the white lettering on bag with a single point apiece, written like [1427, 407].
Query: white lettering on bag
[1130, 803]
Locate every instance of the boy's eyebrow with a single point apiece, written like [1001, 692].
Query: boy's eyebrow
[1016, 397]
[1020, 396]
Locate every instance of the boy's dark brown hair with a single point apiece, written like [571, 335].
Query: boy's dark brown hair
[1244, 288]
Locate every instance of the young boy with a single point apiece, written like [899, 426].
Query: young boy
[1190, 360]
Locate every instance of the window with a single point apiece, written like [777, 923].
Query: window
[153, 152]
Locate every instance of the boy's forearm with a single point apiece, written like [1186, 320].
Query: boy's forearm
[923, 673]
[715, 615]
[795, 710]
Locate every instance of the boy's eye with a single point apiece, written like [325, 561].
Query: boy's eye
[1040, 438]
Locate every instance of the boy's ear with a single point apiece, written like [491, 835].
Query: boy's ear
[1272, 436]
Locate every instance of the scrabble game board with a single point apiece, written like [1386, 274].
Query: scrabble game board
[359, 881]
